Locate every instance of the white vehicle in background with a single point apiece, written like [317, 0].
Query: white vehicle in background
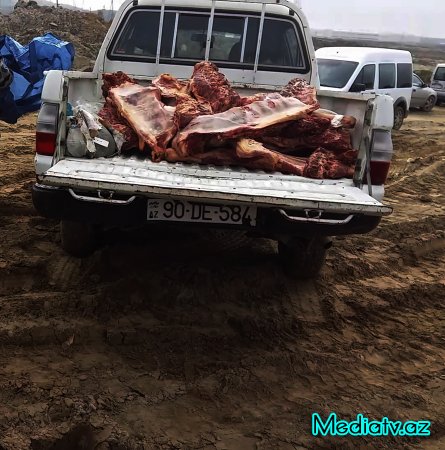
[369, 70]
[438, 83]
[150, 37]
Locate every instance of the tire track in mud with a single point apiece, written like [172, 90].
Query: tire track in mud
[191, 341]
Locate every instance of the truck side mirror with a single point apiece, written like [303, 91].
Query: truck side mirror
[358, 87]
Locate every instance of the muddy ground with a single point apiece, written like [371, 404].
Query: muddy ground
[177, 341]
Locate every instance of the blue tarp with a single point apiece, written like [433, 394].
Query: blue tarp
[27, 64]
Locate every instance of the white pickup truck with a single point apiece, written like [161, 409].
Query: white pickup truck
[259, 45]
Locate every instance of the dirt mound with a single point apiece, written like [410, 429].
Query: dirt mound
[172, 340]
[84, 29]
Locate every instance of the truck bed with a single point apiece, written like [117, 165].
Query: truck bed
[137, 175]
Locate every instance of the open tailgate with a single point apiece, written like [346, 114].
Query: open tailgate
[211, 184]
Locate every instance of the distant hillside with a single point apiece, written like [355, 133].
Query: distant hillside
[398, 38]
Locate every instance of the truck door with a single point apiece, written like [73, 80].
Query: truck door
[386, 83]
[365, 80]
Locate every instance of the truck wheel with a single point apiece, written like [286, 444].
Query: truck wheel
[78, 238]
[303, 258]
[429, 104]
[399, 117]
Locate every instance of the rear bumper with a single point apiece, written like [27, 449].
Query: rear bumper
[58, 203]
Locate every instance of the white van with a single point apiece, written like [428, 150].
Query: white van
[369, 70]
[438, 82]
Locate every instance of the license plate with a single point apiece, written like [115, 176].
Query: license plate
[183, 211]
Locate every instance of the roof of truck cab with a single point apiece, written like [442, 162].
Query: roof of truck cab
[365, 54]
[271, 8]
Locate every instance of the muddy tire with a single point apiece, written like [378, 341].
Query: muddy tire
[429, 104]
[303, 258]
[399, 117]
[78, 238]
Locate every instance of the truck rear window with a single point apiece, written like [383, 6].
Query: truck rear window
[234, 40]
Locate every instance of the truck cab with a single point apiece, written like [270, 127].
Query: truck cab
[369, 70]
[148, 38]
[242, 42]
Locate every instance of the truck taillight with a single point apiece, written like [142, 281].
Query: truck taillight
[46, 129]
[381, 155]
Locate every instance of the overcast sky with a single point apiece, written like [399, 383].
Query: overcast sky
[422, 18]
[419, 17]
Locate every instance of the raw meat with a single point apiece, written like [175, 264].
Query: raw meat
[124, 135]
[325, 164]
[302, 90]
[297, 88]
[208, 85]
[319, 129]
[253, 98]
[148, 116]
[170, 86]
[319, 118]
[112, 80]
[207, 122]
[306, 126]
[245, 121]
[254, 155]
[176, 93]
[333, 139]
[216, 156]
[187, 108]
[245, 153]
